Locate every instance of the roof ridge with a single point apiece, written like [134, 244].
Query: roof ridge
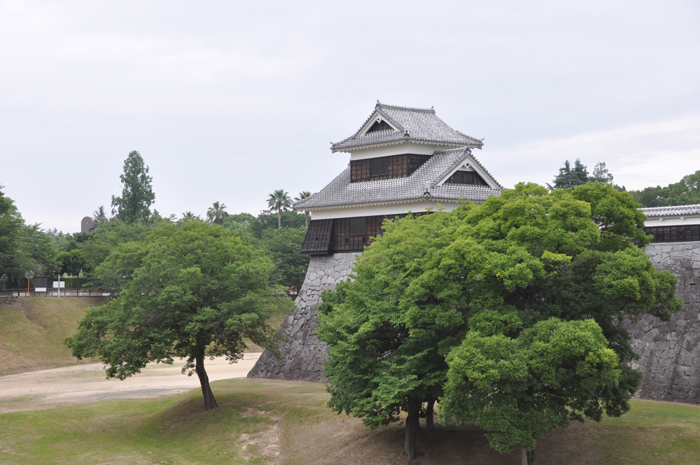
[399, 107]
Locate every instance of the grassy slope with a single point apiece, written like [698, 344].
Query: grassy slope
[253, 413]
[32, 331]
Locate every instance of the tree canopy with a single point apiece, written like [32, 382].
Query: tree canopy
[191, 291]
[570, 177]
[684, 192]
[526, 257]
[137, 194]
[279, 201]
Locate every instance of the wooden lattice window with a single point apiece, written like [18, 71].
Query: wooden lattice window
[378, 167]
[358, 226]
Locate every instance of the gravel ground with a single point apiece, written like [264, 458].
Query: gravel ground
[83, 384]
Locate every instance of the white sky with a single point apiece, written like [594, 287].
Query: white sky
[228, 101]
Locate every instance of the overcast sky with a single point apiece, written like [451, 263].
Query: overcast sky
[228, 101]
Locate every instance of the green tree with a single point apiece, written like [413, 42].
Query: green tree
[216, 213]
[188, 216]
[279, 201]
[284, 246]
[518, 259]
[601, 174]
[100, 216]
[385, 354]
[137, 195]
[10, 229]
[101, 242]
[304, 195]
[196, 291]
[570, 177]
[519, 389]
[684, 192]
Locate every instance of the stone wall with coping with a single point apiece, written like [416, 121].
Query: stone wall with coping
[670, 352]
[303, 354]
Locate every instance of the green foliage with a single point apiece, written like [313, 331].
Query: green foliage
[497, 269]
[684, 192]
[216, 213]
[570, 177]
[519, 389]
[279, 201]
[285, 247]
[195, 290]
[10, 230]
[601, 174]
[101, 242]
[384, 351]
[137, 195]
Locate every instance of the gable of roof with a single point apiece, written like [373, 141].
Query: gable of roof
[343, 193]
[420, 125]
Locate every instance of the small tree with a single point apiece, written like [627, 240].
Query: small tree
[195, 291]
[279, 201]
[188, 216]
[304, 195]
[137, 195]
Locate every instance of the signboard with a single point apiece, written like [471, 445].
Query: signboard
[57, 284]
[39, 289]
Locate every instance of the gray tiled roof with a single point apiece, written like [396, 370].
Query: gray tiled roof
[674, 210]
[414, 124]
[341, 192]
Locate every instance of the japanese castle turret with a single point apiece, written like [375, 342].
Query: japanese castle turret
[402, 160]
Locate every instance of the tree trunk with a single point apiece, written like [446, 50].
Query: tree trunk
[429, 424]
[410, 443]
[279, 218]
[528, 457]
[209, 401]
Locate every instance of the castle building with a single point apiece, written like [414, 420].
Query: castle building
[402, 160]
[408, 160]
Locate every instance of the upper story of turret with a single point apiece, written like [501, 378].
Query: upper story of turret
[402, 160]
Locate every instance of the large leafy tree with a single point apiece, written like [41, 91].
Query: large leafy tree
[518, 259]
[137, 194]
[279, 201]
[194, 291]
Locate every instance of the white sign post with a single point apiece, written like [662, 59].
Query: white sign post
[59, 285]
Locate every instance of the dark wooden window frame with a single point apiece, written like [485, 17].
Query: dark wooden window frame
[684, 233]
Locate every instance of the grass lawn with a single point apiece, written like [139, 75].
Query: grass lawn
[266, 421]
[32, 331]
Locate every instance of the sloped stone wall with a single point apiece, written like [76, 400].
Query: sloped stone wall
[303, 354]
[670, 352]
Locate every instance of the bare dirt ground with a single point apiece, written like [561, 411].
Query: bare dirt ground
[87, 383]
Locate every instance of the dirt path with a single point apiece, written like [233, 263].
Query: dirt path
[87, 383]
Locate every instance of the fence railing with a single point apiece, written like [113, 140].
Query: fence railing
[54, 293]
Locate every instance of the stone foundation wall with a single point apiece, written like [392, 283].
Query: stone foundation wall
[303, 354]
[670, 352]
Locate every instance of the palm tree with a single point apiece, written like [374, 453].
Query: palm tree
[216, 213]
[304, 195]
[188, 216]
[280, 201]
